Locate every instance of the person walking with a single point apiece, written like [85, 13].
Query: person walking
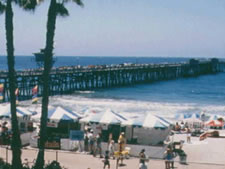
[99, 145]
[106, 160]
[121, 144]
[91, 142]
[86, 140]
[112, 149]
[188, 130]
[142, 160]
[169, 163]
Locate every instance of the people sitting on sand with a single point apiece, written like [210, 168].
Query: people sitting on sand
[182, 126]
[106, 160]
[169, 162]
[142, 160]
[177, 127]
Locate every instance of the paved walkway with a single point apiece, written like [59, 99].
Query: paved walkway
[207, 154]
[72, 160]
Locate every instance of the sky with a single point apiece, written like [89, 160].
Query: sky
[168, 28]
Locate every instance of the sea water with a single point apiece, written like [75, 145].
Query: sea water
[167, 98]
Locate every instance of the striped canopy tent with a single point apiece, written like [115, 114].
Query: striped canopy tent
[148, 121]
[215, 117]
[214, 123]
[189, 117]
[105, 117]
[5, 111]
[58, 114]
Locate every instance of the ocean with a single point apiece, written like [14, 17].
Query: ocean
[166, 98]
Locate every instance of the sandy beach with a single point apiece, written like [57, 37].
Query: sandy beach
[206, 154]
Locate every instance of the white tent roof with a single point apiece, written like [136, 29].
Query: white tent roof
[87, 111]
[58, 114]
[20, 111]
[148, 121]
[105, 117]
[188, 117]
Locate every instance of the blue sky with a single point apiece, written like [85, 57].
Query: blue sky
[185, 28]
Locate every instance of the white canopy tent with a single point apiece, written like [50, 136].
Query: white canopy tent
[148, 121]
[105, 117]
[193, 120]
[147, 129]
[5, 111]
[58, 114]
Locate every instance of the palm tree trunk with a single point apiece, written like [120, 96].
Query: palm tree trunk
[16, 142]
[47, 68]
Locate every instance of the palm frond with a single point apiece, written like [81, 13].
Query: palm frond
[2, 7]
[28, 4]
[79, 2]
[61, 10]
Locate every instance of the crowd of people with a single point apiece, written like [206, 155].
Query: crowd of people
[93, 146]
[92, 143]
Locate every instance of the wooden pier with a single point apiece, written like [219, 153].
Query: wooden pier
[66, 80]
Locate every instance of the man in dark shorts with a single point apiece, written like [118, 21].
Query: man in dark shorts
[142, 160]
[106, 160]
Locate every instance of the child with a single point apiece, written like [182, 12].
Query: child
[112, 148]
[142, 160]
[106, 161]
[169, 158]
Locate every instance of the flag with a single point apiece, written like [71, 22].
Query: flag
[1, 92]
[17, 95]
[35, 94]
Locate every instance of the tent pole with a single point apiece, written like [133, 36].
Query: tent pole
[132, 132]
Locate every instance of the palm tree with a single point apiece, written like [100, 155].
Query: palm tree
[16, 141]
[2, 7]
[56, 8]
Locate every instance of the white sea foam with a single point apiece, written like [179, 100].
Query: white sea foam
[129, 107]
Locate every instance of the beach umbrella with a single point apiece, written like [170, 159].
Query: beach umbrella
[58, 114]
[87, 111]
[148, 121]
[5, 111]
[105, 117]
[215, 117]
[214, 123]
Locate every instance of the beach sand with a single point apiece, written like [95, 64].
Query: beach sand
[207, 154]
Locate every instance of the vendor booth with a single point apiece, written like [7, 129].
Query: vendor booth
[60, 124]
[192, 120]
[25, 124]
[105, 122]
[22, 114]
[147, 129]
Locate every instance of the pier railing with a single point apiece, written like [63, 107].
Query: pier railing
[66, 80]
